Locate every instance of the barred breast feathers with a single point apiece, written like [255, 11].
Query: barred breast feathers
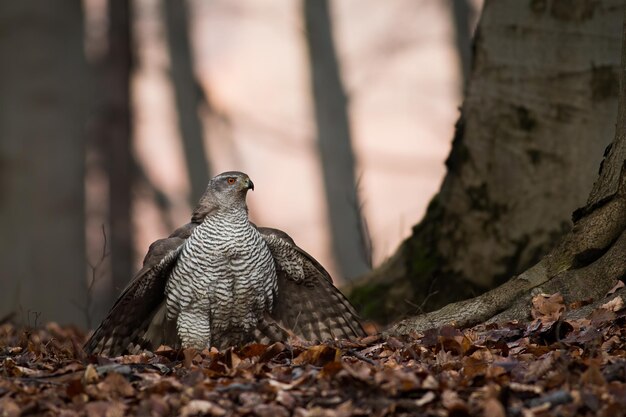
[227, 267]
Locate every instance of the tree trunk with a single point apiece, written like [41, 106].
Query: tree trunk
[116, 141]
[334, 141]
[188, 96]
[43, 110]
[587, 262]
[539, 111]
[462, 12]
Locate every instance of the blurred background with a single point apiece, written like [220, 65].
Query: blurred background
[114, 115]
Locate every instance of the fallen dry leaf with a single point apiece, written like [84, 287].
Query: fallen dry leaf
[615, 305]
[547, 308]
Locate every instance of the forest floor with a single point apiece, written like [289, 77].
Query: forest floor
[549, 366]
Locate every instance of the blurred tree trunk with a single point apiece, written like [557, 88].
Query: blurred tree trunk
[44, 82]
[115, 132]
[586, 264]
[188, 96]
[334, 141]
[462, 12]
[539, 111]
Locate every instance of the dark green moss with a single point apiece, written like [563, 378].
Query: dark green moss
[370, 301]
[426, 285]
[432, 285]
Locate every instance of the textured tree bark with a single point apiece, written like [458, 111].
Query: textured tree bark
[540, 109]
[43, 111]
[585, 264]
[188, 96]
[334, 142]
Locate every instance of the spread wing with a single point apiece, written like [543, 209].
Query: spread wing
[137, 317]
[307, 303]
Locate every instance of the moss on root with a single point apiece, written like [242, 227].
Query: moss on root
[414, 282]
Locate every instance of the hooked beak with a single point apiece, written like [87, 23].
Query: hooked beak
[249, 184]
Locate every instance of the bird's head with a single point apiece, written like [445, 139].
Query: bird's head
[225, 191]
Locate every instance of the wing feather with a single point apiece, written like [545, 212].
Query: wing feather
[308, 304]
[141, 300]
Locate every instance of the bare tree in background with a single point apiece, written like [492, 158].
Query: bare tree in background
[43, 109]
[188, 96]
[115, 136]
[334, 141]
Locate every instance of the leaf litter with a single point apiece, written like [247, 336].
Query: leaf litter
[548, 366]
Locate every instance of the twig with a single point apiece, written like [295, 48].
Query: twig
[357, 355]
[88, 305]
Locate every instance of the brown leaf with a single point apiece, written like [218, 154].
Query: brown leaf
[156, 406]
[358, 370]
[493, 408]
[10, 368]
[189, 355]
[451, 401]
[202, 407]
[547, 308]
[286, 399]
[601, 315]
[430, 383]
[394, 381]
[425, 399]
[232, 359]
[74, 387]
[540, 367]
[616, 304]
[593, 376]
[271, 352]
[115, 384]
[105, 409]
[331, 369]
[252, 350]
[67, 413]
[270, 410]
[90, 375]
[525, 388]
[9, 408]
[474, 367]
[394, 343]
[368, 340]
[318, 355]
[164, 385]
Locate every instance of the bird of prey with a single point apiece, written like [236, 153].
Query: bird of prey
[222, 281]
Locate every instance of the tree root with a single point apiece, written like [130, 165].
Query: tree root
[593, 250]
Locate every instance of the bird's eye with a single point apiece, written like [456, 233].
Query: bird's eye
[231, 180]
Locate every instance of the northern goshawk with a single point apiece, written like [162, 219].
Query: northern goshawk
[221, 281]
